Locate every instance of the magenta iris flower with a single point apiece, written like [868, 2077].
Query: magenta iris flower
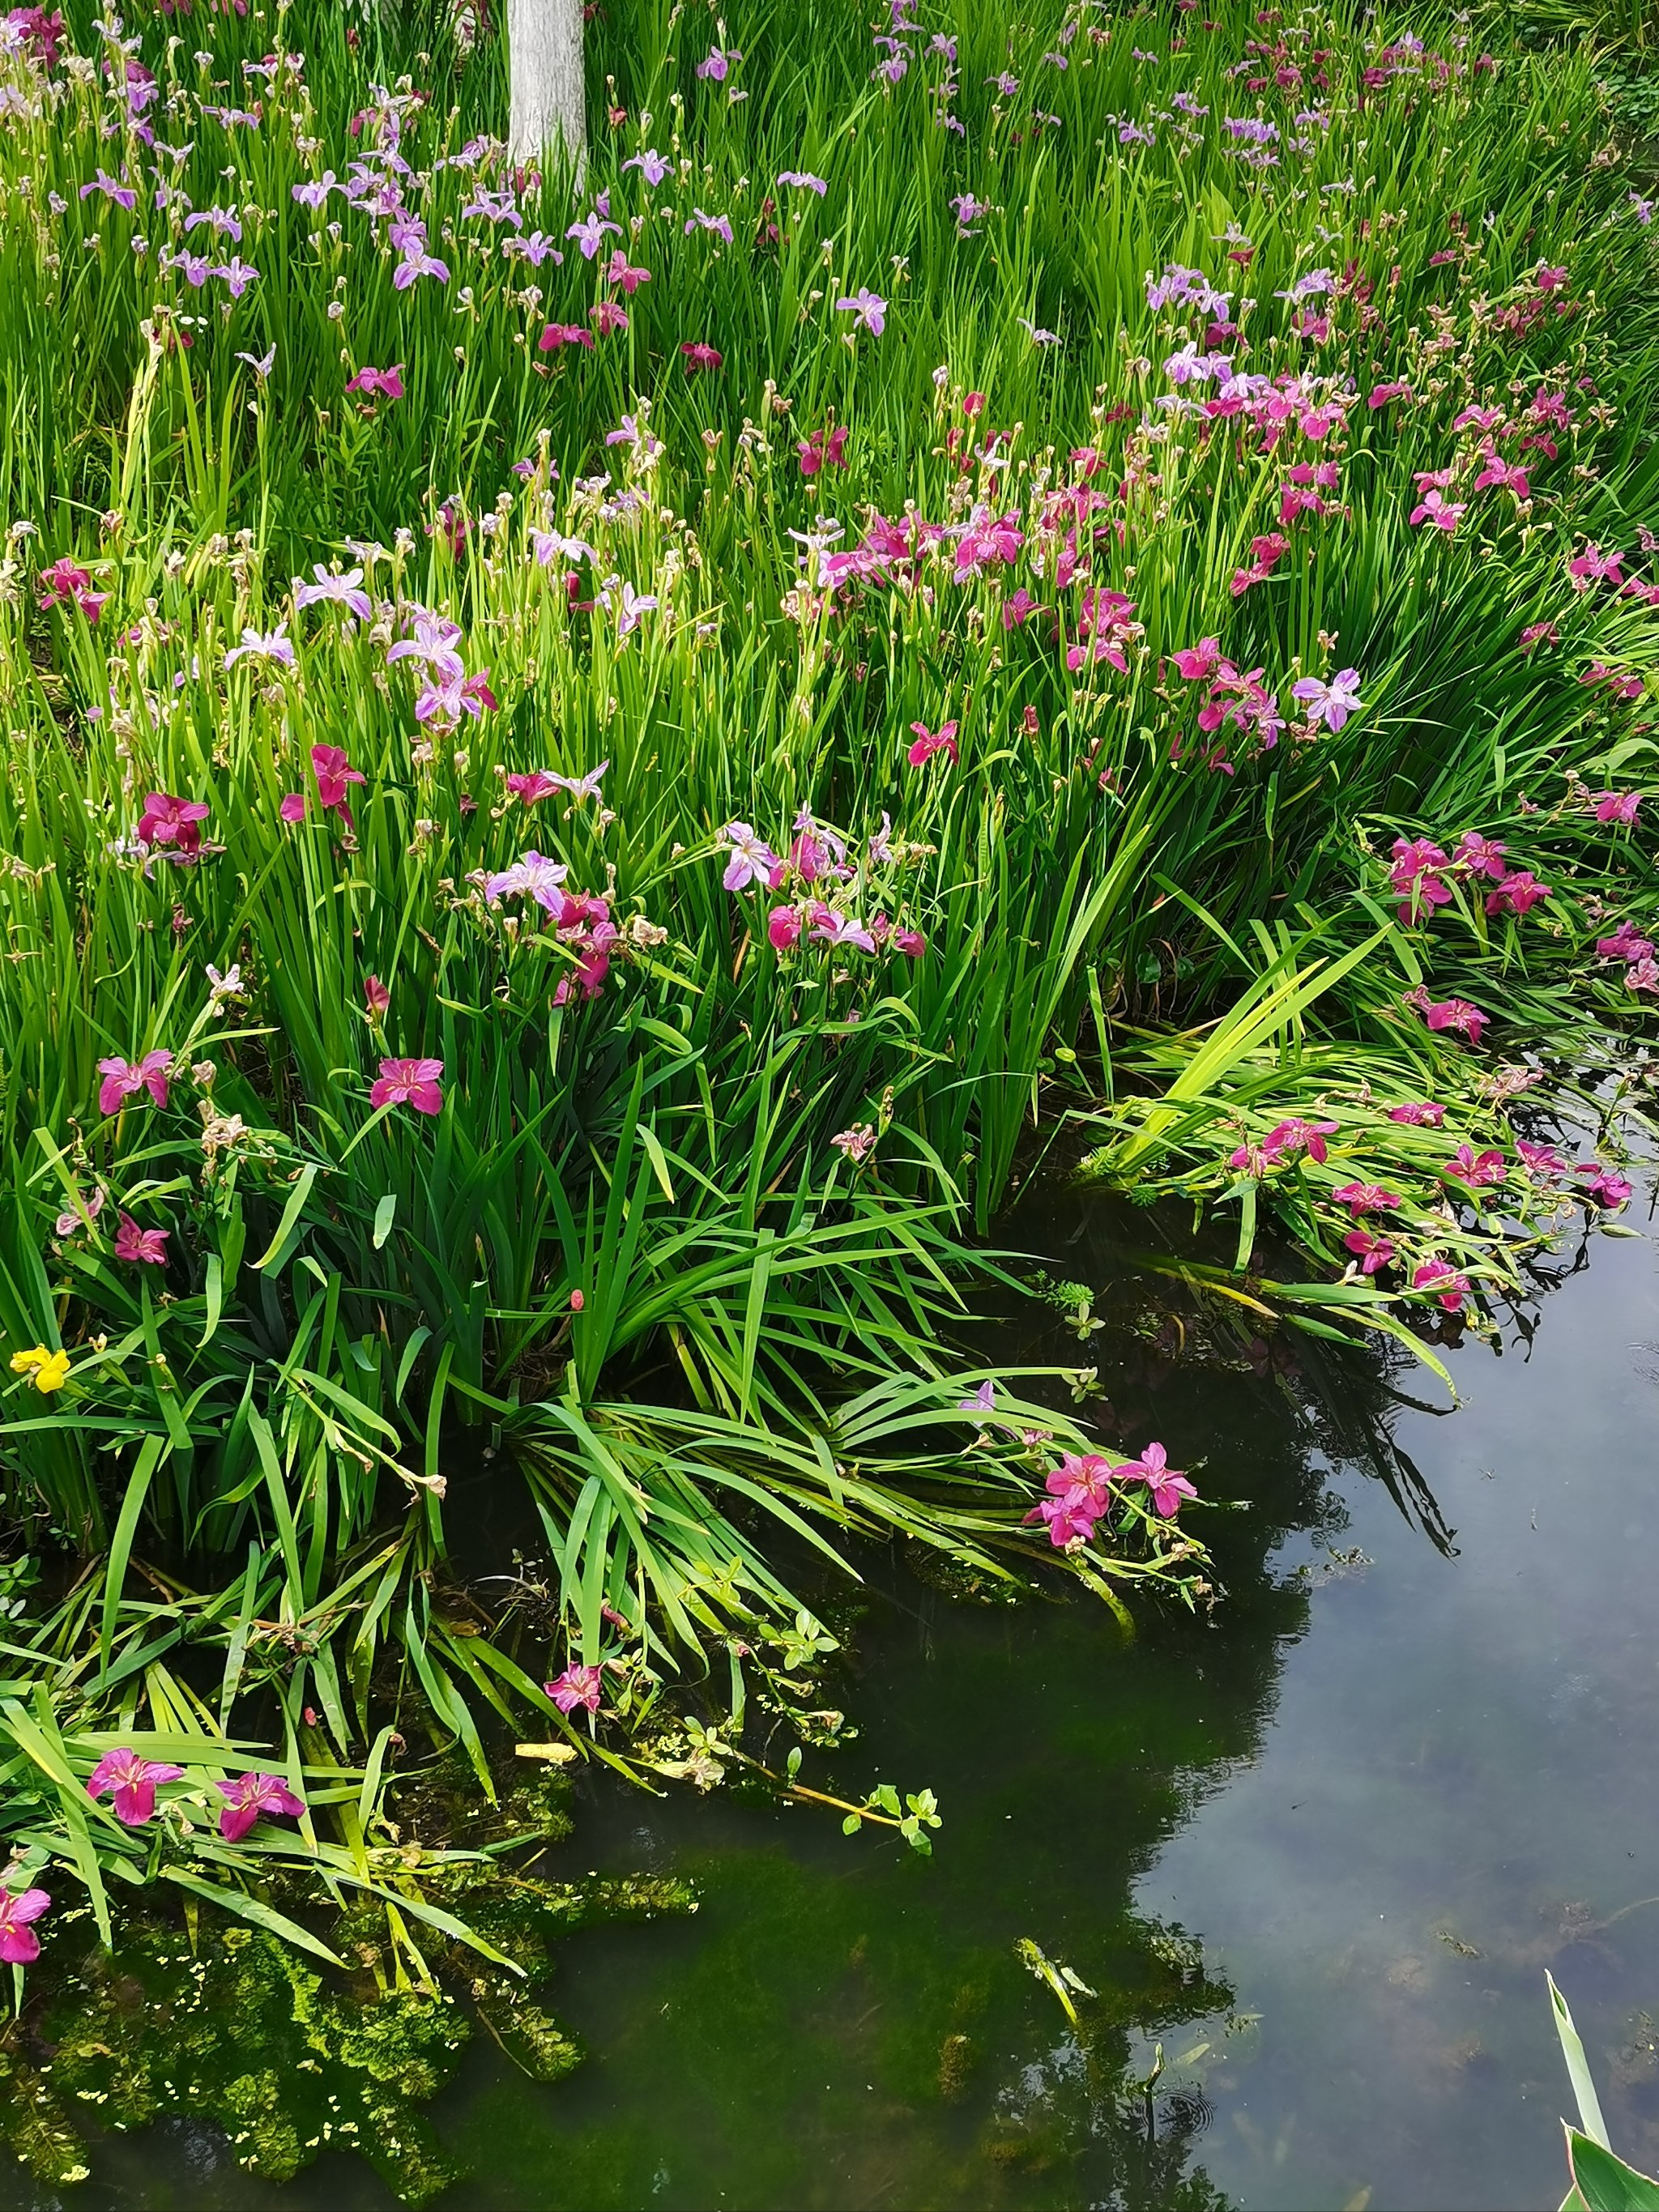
[1372, 1251]
[1615, 806]
[409, 1083]
[1442, 1281]
[251, 1794]
[1602, 1184]
[1541, 1160]
[335, 775]
[1080, 1491]
[1479, 1170]
[18, 1944]
[133, 1780]
[149, 1246]
[125, 1079]
[173, 824]
[929, 742]
[1167, 1485]
[1365, 1198]
[65, 580]
[577, 1688]
[1455, 1015]
[1625, 944]
[1436, 507]
[532, 789]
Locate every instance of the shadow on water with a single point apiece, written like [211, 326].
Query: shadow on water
[1318, 1845]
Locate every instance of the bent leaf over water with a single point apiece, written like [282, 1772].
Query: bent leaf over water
[1602, 2181]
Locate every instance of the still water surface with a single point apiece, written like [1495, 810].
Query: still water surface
[1321, 1847]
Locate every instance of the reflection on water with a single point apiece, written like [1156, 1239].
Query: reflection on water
[1319, 1846]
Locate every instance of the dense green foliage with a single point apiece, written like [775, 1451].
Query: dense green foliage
[1126, 470]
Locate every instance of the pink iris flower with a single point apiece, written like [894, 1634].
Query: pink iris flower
[1372, 1251]
[149, 1246]
[1481, 856]
[1479, 1170]
[696, 356]
[124, 1078]
[376, 998]
[1456, 1015]
[1440, 1278]
[590, 943]
[386, 383]
[1602, 1184]
[627, 278]
[1366, 1197]
[1167, 1484]
[409, 1083]
[534, 787]
[133, 1781]
[1421, 1113]
[1592, 566]
[1625, 944]
[1197, 663]
[577, 1686]
[1080, 1491]
[1541, 1159]
[65, 580]
[752, 860]
[1519, 893]
[174, 822]
[251, 1794]
[1285, 1142]
[823, 449]
[929, 742]
[335, 777]
[1615, 806]
[1436, 507]
[783, 926]
[18, 1944]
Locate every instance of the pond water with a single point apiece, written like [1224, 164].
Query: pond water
[1321, 1846]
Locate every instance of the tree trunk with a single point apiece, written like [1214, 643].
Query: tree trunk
[545, 62]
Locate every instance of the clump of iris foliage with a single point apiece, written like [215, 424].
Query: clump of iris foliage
[593, 772]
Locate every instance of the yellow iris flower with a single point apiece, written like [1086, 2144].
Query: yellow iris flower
[48, 1369]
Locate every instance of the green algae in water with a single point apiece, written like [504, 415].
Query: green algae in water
[236, 2030]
